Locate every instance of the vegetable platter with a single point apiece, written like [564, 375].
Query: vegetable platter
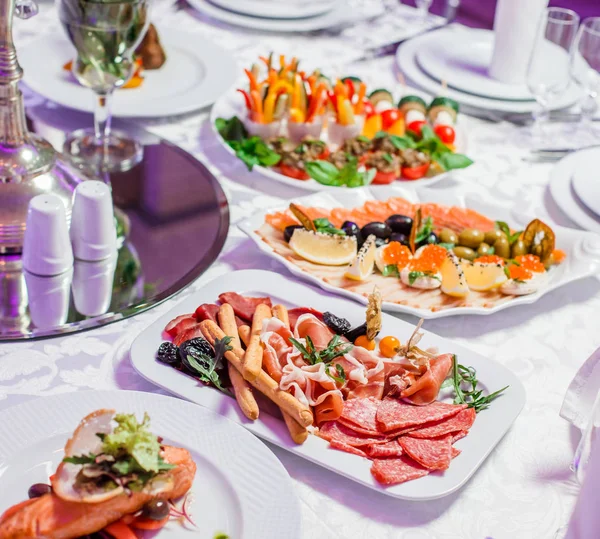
[371, 397]
[431, 254]
[315, 132]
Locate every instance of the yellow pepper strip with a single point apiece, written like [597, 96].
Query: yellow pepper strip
[297, 116]
[296, 93]
[281, 61]
[397, 128]
[340, 89]
[257, 108]
[252, 79]
[269, 107]
[345, 113]
[372, 126]
[316, 102]
[360, 103]
[294, 64]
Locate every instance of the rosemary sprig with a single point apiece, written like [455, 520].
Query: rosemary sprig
[334, 350]
[473, 397]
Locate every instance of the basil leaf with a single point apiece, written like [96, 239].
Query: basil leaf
[362, 138]
[448, 246]
[425, 231]
[391, 270]
[232, 129]
[427, 133]
[401, 143]
[324, 172]
[502, 226]
[514, 237]
[380, 134]
[368, 176]
[414, 275]
[387, 157]
[452, 161]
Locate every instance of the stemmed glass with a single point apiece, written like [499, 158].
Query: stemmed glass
[423, 6]
[585, 67]
[548, 72]
[105, 35]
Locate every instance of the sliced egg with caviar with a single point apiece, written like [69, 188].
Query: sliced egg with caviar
[484, 276]
[392, 254]
[420, 279]
[362, 265]
[453, 277]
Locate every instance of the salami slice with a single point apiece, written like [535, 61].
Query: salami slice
[433, 454]
[170, 328]
[332, 430]
[387, 450]
[396, 471]
[243, 306]
[341, 446]
[455, 452]
[366, 432]
[362, 412]
[393, 414]
[459, 435]
[461, 421]
[207, 311]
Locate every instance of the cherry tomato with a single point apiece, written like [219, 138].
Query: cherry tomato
[368, 108]
[414, 173]
[389, 117]
[445, 133]
[382, 178]
[415, 126]
[388, 346]
[293, 172]
[324, 154]
[363, 342]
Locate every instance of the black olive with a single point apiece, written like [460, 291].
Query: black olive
[338, 325]
[352, 229]
[355, 333]
[197, 348]
[379, 242]
[156, 510]
[432, 238]
[38, 490]
[399, 223]
[399, 237]
[168, 353]
[379, 230]
[289, 230]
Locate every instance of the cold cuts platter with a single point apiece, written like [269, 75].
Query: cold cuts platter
[368, 404]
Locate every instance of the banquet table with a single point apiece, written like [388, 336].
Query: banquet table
[525, 488]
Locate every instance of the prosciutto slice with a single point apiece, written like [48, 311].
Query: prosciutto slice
[424, 390]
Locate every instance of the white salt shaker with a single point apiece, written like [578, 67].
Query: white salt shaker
[93, 230]
[48, 298]
[93, 284]
[46, 245]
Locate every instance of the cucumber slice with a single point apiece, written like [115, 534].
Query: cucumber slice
[442, 103]
[412, 102]
[381, 94]
[355, 80]
[280, 107]
[322, 79]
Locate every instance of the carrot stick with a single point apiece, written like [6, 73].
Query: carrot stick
[257, 108]
[360, 104]
[252, 79]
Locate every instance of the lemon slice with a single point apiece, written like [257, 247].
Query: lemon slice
[362, 265]
[453, 277]
[325, 249]
[482, 277]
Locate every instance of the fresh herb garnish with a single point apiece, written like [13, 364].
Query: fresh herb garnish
[327, 173]
[501, 225]
[323, 225]
[340, 377]
[205, 367]
[431, 144]
[390, 270]
[334, 349]
[414, 275]
[448, 246]
[471, 396]
[425, 231]
[81, 459]
[387, 157]
[362, 138]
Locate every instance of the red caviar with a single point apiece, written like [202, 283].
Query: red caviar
[490, 259]
[519, 273]
[430, 259]
[530, 262]
[396, 253]
[558, 256]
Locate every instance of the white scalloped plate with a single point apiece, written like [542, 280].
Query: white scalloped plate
[582, 248]
[228, 495]
[489, 428]
[230, 104]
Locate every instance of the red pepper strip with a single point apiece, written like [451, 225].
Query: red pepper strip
[257, 107]
[302, 74]
[246, 98]
[272, 77]
[252, 79]
[350, 86]
[333, 100]
[360, 104]
[315, 103]
[265, 60]
[312, 81]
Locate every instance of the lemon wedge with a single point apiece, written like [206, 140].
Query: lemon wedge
[362, 265]
[482, 277]
[453, 277]
[325, 249]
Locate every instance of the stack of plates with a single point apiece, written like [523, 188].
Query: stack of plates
[575, 189]
[276, 15]
[461, 57]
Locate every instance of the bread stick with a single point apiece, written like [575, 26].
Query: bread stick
[227, 323]
[253, 358]
[244, 332]
[281, 313]
[263, 382]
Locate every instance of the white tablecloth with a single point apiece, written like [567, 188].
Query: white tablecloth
[525, 488]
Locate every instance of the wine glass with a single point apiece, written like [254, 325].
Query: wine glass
[548, 72]
[585, 67]
[105, 35]
[423, 6]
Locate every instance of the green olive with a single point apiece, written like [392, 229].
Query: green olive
[518, 248]
[465, 252]
[448, 235]
[484, 249]
[471, 237]
[502, 248]
[493, 235]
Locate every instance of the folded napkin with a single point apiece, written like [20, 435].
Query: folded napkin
[578, 402]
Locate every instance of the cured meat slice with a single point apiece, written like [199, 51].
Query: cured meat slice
[454, 452]
[190, 333]
[207, 311]
[309, 325]
[393, 414]
[459, 435]
[360, 430]
[396, 471]
[341, 446]
[184, 325]
[460, 422]
[362, 412]
[170, 327]
[332, 430]
[387, 450]
[243, 306]
[433, 454]
[297, 312]
[426, 388]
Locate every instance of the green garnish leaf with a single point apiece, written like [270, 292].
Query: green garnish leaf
[324, 226]
[501, 225]
[414, 275]
[391, 270]
[447, 246]
[324, 172]
[387, 157]
[334, 349]
[402, 143]
[327, 173]
[426, 230]
[206, 369]
[362, 138]
[81, 459]
[340, 377]
[232, 129]
[452, 161]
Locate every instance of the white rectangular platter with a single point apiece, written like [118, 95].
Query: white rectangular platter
[582, 248]
[488, 429]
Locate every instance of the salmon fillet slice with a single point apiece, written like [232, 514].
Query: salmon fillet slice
[50, 517]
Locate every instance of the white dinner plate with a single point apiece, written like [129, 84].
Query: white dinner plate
[196, 73]
[406, 60]
[489, 428]
[338, 15]
[582, 248]
[271, 9]
[240, 487]
[231, 104]
[585, 180]
[563, 192]
[462, 59]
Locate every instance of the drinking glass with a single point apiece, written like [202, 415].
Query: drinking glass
[423, 6]
[585, 67]
[548, 72]
[105, 35]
